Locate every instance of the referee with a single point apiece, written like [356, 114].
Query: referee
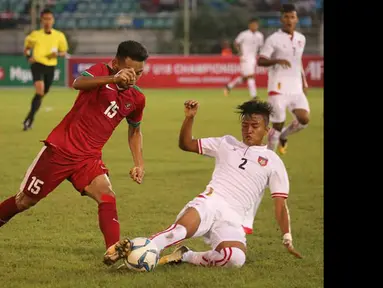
[42, 47]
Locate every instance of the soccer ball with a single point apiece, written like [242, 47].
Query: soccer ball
[144, 255]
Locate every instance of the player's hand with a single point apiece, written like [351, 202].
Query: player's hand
[137, 174]
[124, 77]
[191, 107]
[52, 55]
[284, 63]
[31, 60]
[305, 90]
[288, 243]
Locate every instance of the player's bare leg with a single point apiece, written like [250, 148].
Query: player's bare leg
[35, 105]
[15, 205]
[182, 229]
[227, 254]
[302, 118]
[274, 135]
[236, 81]
[100, 189]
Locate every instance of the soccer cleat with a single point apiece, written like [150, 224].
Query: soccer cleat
[282, 147]
[175, 257]
[27, 125]
[226, 91]
[117, 251]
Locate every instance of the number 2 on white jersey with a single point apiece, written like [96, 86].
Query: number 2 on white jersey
[111, 111]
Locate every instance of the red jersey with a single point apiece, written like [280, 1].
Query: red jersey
[95, 114]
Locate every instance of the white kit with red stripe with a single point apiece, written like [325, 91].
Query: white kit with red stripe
[281, 45]
[241, 175]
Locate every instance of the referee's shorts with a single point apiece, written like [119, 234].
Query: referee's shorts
[44, 73]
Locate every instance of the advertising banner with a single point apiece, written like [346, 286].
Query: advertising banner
[15, 71]
[195, 71]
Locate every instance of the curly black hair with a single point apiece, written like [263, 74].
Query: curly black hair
[256, 107]
[132, 49]
[287, 8]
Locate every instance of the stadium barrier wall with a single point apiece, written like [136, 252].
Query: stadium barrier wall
[195, 71]
[15, 71]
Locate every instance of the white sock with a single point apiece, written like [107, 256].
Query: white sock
[170, 236]
[252, 87]
[235, 82]
[294, 127]
[273, 139]
[208, 258]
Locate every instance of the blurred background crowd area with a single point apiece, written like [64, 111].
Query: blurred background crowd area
[97, 26]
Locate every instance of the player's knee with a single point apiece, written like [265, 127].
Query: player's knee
[304, 120]
[40, 89]
[237, 259]
[107, 196]
[24, 202]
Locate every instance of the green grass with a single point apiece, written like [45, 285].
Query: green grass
[58, 243]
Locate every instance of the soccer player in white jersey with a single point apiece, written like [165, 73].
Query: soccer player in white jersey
[226, 209]
[287, 84]
[247, 44]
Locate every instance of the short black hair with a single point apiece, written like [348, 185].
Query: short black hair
[256, 107]
[132, 49]
[46, 11]
[254, 19]
[286, 8]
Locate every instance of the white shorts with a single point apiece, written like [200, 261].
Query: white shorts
[218, 221]
[281, 102]
[247, 67]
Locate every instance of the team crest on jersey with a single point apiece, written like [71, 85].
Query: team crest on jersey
[127, 105]
[262, 161]
[300, 43]
[211, 190]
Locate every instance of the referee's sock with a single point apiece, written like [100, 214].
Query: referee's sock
[35, 105]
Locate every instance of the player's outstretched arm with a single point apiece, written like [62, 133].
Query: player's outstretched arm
[304, 80]
[283, 219]
[124, 76]
[186, 141]
[135, 144]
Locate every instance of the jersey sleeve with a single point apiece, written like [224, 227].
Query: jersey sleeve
[239, 38]
[30, 40]
[94, 71]
[209, 146]
[279, 181]
[63, 44]
[268, 48]
[135, 118]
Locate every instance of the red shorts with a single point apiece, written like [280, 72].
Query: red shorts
[50, 168]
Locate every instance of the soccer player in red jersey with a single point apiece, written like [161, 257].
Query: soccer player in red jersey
[72, 150]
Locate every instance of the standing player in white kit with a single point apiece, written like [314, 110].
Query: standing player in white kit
[226, 209]
[248, 44]
[282, 53]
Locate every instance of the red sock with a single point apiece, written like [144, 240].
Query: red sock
[108, 220]
[8, 209]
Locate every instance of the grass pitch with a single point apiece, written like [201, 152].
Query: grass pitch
[57, 243]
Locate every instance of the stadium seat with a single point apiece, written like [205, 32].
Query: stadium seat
[82, 7]
[82, 23]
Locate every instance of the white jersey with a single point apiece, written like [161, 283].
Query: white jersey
[242, 173]
[250, 43]
[281, 45]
